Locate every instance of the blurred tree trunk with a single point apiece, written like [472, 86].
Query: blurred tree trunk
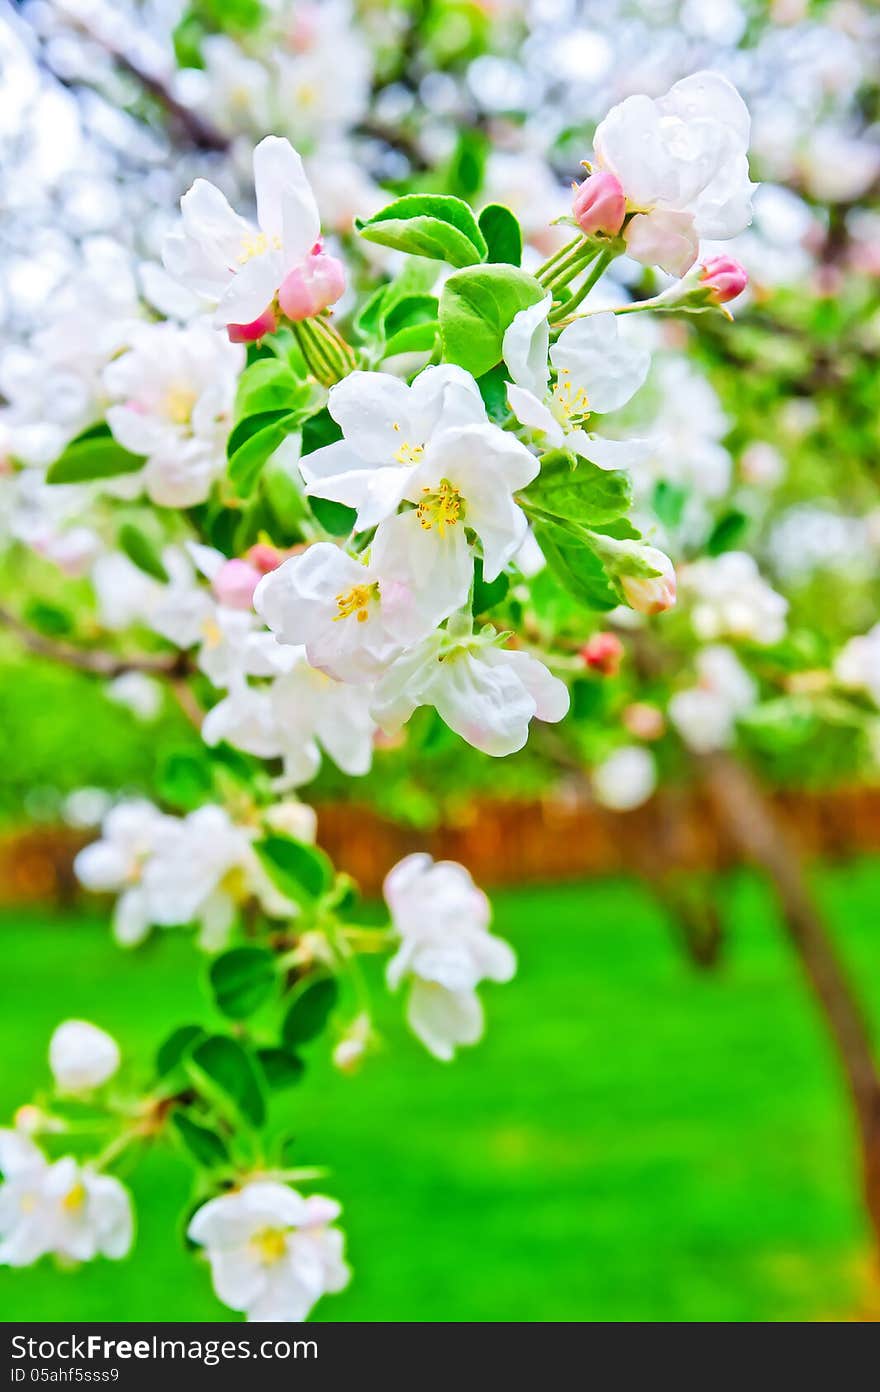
[748, 818]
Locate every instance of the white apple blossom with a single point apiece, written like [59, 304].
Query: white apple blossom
[732, 600]
[626, 779]
[705, 715]
[140, 694]
[322, 66]
[115, 864]
[445, 950]
[64, 1208]
[596, 371]
[858, 663]
[82, 1056]
[175, 389]
[686, 432]
[315, 712]
[682, 162]
[273, 1252]
[236, 267]
[354, 616]
[486, 694]
[233, 90]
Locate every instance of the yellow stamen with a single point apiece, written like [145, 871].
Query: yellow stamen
[409, 454]
[257, 244]
[74, 1199]
[179, 403]
[572, 405]
[356, 601]
[441, 507]
[270, 1245]
[211, 633]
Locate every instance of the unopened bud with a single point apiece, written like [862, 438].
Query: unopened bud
[599, 204]
[651, 594]
[724, 278]
[603, 653]
[264, 557]
[643, 720]
[312, 287]
[234, 584]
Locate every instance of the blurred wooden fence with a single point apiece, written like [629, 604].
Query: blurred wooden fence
[513, 842]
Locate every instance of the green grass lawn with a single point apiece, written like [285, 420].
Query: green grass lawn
[631, 1141]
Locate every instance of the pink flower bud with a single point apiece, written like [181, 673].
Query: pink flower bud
[264, 557]
[724, 278]
[651, 594]
[267, 323]
[311, 287]
[234, 584]
[644, 721]
[603, 653]
[599, 204]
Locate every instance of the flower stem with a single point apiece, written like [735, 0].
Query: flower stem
[563, 311]
[552, 261]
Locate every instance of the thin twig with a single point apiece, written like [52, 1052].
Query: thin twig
[95, 660]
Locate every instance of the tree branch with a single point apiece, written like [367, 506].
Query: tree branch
[95, 660]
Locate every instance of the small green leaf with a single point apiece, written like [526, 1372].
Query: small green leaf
[409, 311]
[309, 1010]
[727, 533]
[435, 225]
[487, 595]
[335, 518]
[242, 979]
[142, 552]
[205, 1145]
[503, 234]
[319, 430]
[93, 455]
[416, 338]
[229, 1070]
[302, 872]
[176, 1047]
[577, 567]
[477, 307]
[267, 385]
[282, 1068]
[669, 502]
[251, 443]
[577, 490]
[184, 779]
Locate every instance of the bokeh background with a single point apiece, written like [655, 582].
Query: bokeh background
[647, 1132]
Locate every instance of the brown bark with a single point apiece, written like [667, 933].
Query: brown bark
[750, 820]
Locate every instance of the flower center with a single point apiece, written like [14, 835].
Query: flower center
[441, 507]
[270, 1245]
[74, 1199]
[407, 453]
[569, 404]
[28, 1203]
[179, 403]
[212, 635]
[257, 244]
[357, 601]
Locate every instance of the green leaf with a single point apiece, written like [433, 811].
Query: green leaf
[503, 234]
[727, 533]
[577, 567]
[477, 307]
[408, 311]
[416, 338]
[184, 780]
[488, 594]
[251, 443]
[267, 385]
[435, 225]
[205, 1145]
[309, 1010]
[577, 490]
[285, 499]
[93, 455]
[230, 1070]
[140, 549]
[242, 979]
[302, 872]
[319, 430]
[176, 1047]
[282, 1068]
[467, 166]
[669, 502]
[335, 518]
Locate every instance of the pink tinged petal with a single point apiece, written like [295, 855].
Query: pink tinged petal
[443, 1019]
[265, 323]
[525, 346]
[630, 143]
[663, 238]
[607, 366]
[286, 206]
[533, 413]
